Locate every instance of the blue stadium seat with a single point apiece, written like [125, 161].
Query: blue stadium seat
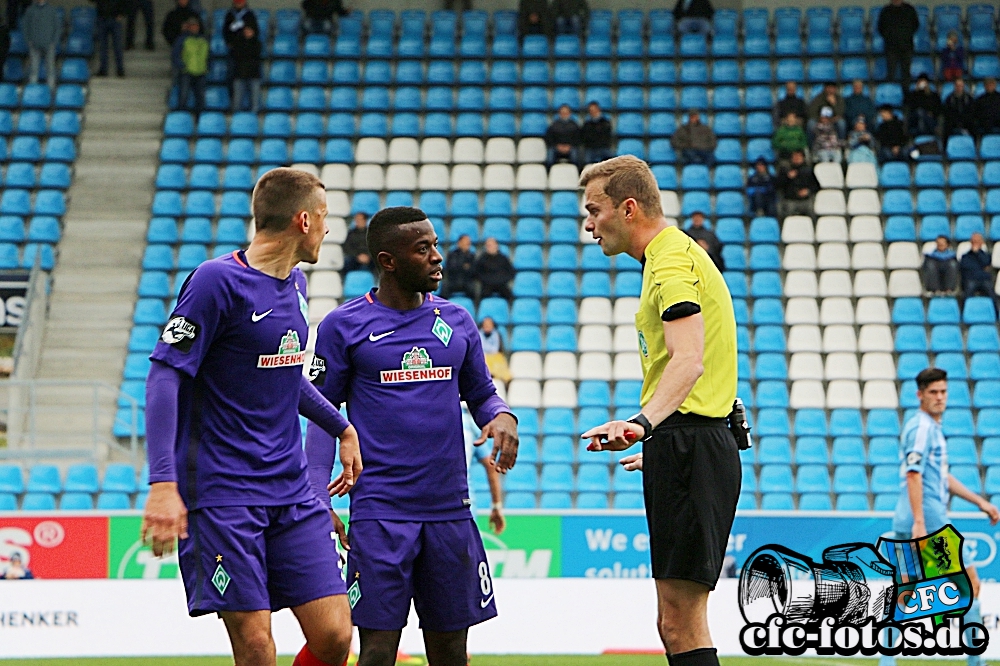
[774, 450]
[776, 479]
[81, 478]
[357, 283]
[54, 175]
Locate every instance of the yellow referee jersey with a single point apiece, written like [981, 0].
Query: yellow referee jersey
[677, 270]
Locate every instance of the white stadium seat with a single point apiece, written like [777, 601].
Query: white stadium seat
[799, 256]
[404, 150]
[311, 343]
[308, 168]
[804, 338]
[830, 175]
[807, 394]
[435, 150]
[501, 389]
[962, 248]
[467, 150]
[870, 283]
[839, 338]
[841, 365]
[626, 338]
[531, 150]
[903, 283]
[903, 255]
[498, 177]
[801, 311]
[835, 283]
[867, 255]
[368, 177]
[833, 256]
[670, 204]
[524, 393]
[627, 366]
[594, 365]
[401, 177]
[371, 150]
[338, 229]
[331, 257]
[337, 203]
[861, 175]
[559, 393]
[864, 202]
[594, 337]
[880, 395]
[526, 365]
[831, 229]
[797, 229]
[559, 365]
[875, 338]
[836, 310]
[843, 394]
[325, 284]
[500, 150]
[866, 228]
[531, 177]
[872, 310]
[877, 365]
[625, 309]
[800, 284]
[433, 177]
[336, 176]
[563, 177]
[830, 202]
[805, 365]
[320, 308]
[996, 255]
[466, 177]
[595, 310]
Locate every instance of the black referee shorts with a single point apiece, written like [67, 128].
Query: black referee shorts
[691, 482]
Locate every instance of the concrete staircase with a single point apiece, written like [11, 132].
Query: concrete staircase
[100, 254]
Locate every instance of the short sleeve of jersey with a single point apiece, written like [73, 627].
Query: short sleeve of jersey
[331, 366]
[915, 450]
[676, 281]
[205, 301]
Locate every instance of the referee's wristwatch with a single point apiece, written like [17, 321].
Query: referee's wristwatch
[647, 427]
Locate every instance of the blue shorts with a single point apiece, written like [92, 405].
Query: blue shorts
[441, 566]
[240, 558]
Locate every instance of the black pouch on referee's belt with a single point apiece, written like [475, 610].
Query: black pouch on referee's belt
[738, 425]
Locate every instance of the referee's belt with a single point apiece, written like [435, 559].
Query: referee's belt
[681, 420]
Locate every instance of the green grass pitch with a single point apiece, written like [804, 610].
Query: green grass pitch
[486, 660]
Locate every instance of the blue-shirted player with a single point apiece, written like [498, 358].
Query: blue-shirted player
[924, 482]
[227, 471]
[403, 361]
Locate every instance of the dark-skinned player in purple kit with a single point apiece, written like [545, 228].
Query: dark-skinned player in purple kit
[404, 360]
[227, 472]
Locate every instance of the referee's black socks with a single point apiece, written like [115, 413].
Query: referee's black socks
[699, 657]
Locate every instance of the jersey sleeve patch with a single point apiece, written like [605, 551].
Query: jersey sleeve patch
[913, 458]
[681, 310]
[317, 370]
[180, 333]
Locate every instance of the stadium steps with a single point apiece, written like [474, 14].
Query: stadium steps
[94, 283]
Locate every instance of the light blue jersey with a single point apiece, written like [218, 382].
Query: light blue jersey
[923, 449]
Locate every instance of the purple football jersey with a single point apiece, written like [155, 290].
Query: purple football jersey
[240, 337]
[403, 375]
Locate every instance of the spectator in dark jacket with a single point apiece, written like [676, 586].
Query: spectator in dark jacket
[319, 15]
[829, 98]
[570, 16]
[246, 56]
[898, 23]
[958, 113]
[976, 269]
[706, 238]
[694, 16]
[494, 271]
[952, 58]
[458, 275]
[148, 17]
[238, 17]
[596, 135]
[534, 18]
[174, 20]
[791, 103]
[940, 269]
[986, 108]
[859, 104]
[760, 190]
[797, 185]
[41, 29]
[4, 42]
[356, 257]
[109, 28]
[891, 135]
[695, 142]
[923, 106]
[563, 138]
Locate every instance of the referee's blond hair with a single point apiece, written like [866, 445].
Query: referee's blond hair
[626, 177]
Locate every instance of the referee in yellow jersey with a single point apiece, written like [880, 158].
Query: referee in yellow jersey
[687, 341]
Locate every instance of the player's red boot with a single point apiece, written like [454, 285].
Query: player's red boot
[307, 658]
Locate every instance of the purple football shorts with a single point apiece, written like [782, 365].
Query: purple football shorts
[248, 558]
[441, 566]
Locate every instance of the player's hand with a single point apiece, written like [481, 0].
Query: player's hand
[919, 530]
[350, 458]
[340, 529]
[503, 431]
[632, 463]
[164, 519]
[613, 436]
[497, 522]
[991, 511]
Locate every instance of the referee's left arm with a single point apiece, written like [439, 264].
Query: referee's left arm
[685, 342]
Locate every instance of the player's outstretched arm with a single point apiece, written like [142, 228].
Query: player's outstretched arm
[164, 519]
[319, 448]
[956, 487]
[165, 516]
[350, 459]
[503, 431]
[497, 520]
